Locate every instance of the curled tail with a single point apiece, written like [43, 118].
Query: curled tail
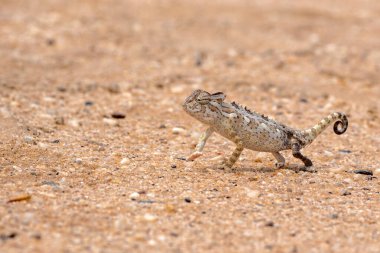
[340, 126]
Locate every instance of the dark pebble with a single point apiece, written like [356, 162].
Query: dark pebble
[162, 126]
[8, 236]
[114, 88]
[50, 42]
[269, 224]
[345, 151]
[188, 200]
[88, 103]
[118, 115]
[55, 141]
[159, 85]
[37, 236]
[174, 166]
[345, 193]
[363, 172]
[303, 100]
[334, 216]
[181, 158]
[61, 89]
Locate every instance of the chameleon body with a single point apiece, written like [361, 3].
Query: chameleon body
[251, 130]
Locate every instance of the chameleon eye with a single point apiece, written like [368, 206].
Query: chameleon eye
[203, 100]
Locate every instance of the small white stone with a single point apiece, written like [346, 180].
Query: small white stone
[43, 145]
[347, 180]
[150, 217]
[161, 238]
[78, 160]
[28, 139]
[217, 158]
[73, 122]
[134, 195]
[152, 242]
[177, 88]
[252, 193]
[110, 122]
[124, 161]
[178, 130]
[150, 195]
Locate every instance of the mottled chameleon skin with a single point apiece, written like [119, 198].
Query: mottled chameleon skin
[252, 130]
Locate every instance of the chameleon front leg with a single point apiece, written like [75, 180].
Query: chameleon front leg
[227, 164]
[280, 159]
[235, 155]
[201, 144]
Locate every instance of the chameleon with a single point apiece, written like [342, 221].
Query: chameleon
[251, 130]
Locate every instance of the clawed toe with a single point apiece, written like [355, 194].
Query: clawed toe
[280, 165]
[194, 156]
[224, 167]
[310, 169]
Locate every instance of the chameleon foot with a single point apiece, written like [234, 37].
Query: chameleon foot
[310, 169]
[194, 156]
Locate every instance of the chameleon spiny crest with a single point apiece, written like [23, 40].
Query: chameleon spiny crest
[251, 130]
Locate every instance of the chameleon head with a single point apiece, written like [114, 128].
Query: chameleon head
[203, 105]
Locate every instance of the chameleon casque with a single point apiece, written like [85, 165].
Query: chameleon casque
[251, 130]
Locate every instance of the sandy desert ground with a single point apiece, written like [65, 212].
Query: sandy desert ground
[93, 136]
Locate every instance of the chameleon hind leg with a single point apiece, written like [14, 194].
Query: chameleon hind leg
[201, 144]
[280, 159]
[296, 150]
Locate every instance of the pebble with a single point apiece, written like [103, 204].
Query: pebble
[78, 160]
[150, 217]
[29, 139]
[43, 145]
[187, 200]
[178, 130]
[51, 183]
[345, 193]
[345, 151]
[177, 89]
[363, 172]
[73, 123]
[123, 161]
[217, 158]
[252, 193]
[173, 166]
[134, 195]
[110, 122]
[59, 120]
[269, 224]
[114, 88]
[347, 180]
[118, 115]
